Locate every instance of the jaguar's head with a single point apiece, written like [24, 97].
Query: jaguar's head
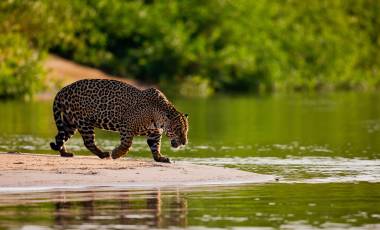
[177, 130]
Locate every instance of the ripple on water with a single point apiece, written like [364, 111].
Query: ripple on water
[372, 126]
[304, 169]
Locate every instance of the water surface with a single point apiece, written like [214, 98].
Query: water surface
[262, 206]
[325, 149]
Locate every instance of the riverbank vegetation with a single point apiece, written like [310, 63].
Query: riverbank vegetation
[216, 45]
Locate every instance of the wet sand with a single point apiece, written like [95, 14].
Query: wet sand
[23, 172]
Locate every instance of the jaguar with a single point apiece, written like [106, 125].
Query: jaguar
[116, 106]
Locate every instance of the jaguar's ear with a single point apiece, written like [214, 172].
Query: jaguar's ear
[186, 115]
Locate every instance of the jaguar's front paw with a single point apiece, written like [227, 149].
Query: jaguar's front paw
[116, 155]
[162, 159]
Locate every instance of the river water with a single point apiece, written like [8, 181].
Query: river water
[325, 150]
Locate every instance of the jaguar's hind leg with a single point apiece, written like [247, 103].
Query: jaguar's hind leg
[59, 141]
[66, 131]
[69, 132]
[88, 135]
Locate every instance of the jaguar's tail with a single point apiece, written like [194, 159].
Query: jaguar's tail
[57, 111]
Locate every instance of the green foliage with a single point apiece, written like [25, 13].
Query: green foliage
[43, 23]
[238, 45]
[20, 67]
[27, 30]
[195, 86]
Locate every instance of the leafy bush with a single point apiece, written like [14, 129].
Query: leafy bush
[44, 23]
[20, 67]
[238, 45]
[27, 30]
[195, 86]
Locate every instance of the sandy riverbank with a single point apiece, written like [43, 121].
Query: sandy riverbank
[19, 172]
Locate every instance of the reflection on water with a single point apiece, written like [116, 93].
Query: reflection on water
[92, 210]
[261, 206]
[127, 210]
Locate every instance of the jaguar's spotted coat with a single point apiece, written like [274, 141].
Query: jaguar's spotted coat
[117, 106]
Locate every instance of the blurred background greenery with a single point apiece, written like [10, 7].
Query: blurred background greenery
[196, 47]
